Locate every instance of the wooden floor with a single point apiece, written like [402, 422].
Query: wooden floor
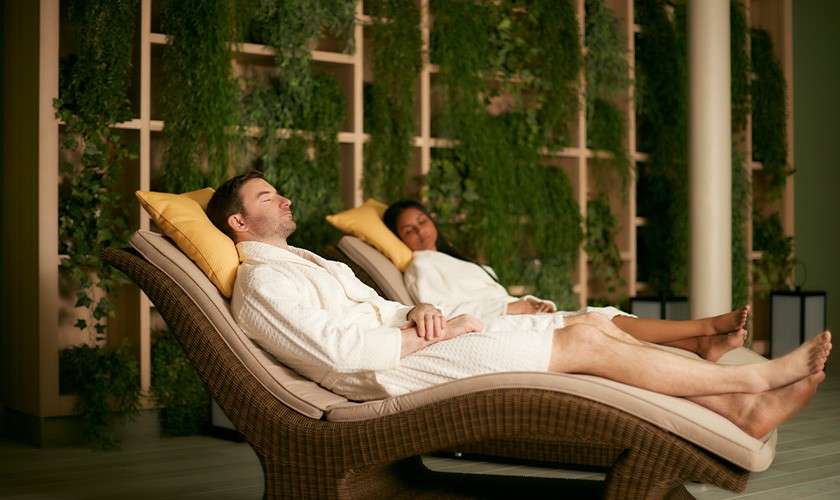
[807, 465]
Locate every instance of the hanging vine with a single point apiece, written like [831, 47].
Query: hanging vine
[769, 110]
[304, 162]
[307, 105]
[605, 258]
[177, 389]
[508, 96]
[769, 106]
[94, 84]
[776, 263]
[291, 27]
[607, 80]
[740, 93]
[396, 40]
[199, 96]
[662, 120]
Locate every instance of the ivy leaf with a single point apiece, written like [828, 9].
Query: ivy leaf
[83, 299]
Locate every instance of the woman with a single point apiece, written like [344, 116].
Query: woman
[439, 275]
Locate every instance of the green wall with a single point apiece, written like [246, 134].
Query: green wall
[816, 113]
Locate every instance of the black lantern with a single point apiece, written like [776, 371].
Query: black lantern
[795, 316]
[674, 308]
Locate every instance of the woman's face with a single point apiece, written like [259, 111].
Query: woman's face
[417, 230]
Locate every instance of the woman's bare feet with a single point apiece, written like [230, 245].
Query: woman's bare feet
[765, 411]
[732, 321]
[805, 360]
[712, 347]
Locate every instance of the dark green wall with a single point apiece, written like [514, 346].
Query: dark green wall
[816, 115]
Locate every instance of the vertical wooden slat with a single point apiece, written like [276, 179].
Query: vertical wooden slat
[425, 93]
[630, 221]
[48, 180]
[145, 174]
[786, 56]
[583, 178]
[357, 169]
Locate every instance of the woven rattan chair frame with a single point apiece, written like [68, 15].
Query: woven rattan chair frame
[307, 458]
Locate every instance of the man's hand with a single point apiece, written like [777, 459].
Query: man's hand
[528, 306]
[461, 324]
[427, 320]
[455, 327]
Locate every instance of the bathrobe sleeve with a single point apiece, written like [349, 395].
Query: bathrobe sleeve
[270, 307]
[437, 279]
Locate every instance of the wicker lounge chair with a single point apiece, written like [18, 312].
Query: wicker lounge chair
[316, 444]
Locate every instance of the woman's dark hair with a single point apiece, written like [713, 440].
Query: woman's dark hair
[226, 201]
[392, 214]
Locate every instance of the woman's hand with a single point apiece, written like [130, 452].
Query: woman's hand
[427, 320]
[529, 306]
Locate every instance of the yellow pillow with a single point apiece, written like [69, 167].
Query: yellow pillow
[182, 219]
[365, 222]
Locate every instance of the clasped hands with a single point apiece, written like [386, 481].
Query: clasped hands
[431, 325]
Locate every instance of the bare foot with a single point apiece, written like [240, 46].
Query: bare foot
[712, 347]
[805, 360]
[732, 321]
[765, 411]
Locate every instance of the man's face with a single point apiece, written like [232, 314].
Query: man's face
[266, 213]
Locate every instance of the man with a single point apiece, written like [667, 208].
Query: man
[316, 317]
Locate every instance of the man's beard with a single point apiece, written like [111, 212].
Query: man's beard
[286, 229]
[264, 228]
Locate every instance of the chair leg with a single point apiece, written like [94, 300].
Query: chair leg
[637, 475]
[283, 480]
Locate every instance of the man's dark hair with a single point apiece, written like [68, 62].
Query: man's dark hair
[226, 201]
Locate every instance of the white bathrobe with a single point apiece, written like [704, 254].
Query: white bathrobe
[316, 317]
[464, 287]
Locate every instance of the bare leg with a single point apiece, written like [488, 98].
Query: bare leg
[659, 331]
[585, 349]
[710, 347]
[758, 414]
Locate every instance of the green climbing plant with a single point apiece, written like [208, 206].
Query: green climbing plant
[291, 27]
[607, 81]
[396, 41]
[740, 98]
[740, 257]
[107, 383]
[769, 113]
[769, 107]
[662, 131]
[605, 258]
[509, 71]
[199, 96]
[299, 110]
[305, 161]
[776, 263]
[184, 402]
[93, 96]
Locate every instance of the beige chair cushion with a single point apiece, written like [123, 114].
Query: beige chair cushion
[677, 415]
[295, 391]
[365, 222]
[379, 267]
